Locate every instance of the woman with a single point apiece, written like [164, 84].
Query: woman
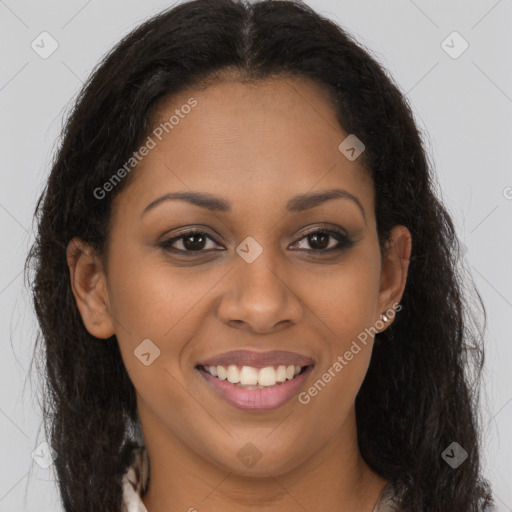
[248, 290]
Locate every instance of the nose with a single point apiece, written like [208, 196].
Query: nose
[259, 298]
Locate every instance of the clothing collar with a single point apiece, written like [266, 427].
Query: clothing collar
[135, 481]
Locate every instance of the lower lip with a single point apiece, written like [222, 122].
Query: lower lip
[256, 400]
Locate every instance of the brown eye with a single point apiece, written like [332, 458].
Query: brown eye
[196, 242]
[322, 240]
[190, 242]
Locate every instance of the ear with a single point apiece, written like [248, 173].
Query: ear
[395, 264]
[89, 286]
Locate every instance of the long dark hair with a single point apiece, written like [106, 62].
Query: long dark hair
[421, 392]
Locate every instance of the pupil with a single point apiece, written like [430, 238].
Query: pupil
[324, 237]
[194, 246]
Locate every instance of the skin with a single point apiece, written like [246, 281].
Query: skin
[256, 146]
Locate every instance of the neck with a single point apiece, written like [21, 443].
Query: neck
[336, 474]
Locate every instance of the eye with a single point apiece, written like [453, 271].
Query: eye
[196, 241]
[190, 241]
[319, 240]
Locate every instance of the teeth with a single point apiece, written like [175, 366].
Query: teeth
[248, 376]
[266, 376]
[254, 378]
[233, 374]
[222, 373]
[281, 374]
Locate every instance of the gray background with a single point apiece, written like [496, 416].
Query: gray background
[463, 104]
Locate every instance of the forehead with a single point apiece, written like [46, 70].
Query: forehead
[250, 142]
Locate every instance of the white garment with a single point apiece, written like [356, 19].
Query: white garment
[135, 481]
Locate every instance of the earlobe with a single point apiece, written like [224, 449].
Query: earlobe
[88, 284]
[395, 266]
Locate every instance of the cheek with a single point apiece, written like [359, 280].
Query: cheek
[152, 299]
[346, 357]
[331, 396]
[346, 303]
[157, 316]
[346, 298]
[167, 306]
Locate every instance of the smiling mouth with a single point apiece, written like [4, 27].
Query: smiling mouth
[252, 378]
[255, 390]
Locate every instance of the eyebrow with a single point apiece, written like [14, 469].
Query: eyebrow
[297, 203]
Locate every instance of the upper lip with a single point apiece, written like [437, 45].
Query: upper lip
[258, 359]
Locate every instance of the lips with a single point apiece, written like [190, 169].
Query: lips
[279, 374]
[257, 400]
[258, 359]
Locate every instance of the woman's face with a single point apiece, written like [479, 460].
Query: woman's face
[253, 279]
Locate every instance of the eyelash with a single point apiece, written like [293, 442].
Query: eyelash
[344, 242]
